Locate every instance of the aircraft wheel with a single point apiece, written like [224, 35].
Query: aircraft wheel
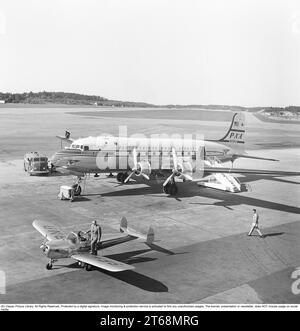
[88, 267]
[124, 176]
[166, 189]
[49, 266]
[119, 177]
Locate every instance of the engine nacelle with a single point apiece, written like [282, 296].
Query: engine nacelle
[144, 167]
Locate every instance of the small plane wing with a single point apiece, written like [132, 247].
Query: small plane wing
[48, 230]
[103, 262]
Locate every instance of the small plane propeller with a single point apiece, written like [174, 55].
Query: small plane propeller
[177, 170]
[43, 245]
[136, 168]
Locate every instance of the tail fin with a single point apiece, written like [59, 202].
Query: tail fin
[150, 236]
[236, 132]
[123, 224]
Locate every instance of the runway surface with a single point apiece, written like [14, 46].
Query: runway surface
[201, 253]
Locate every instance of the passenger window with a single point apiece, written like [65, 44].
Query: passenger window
[86, 148]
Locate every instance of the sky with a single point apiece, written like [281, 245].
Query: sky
[234, 52]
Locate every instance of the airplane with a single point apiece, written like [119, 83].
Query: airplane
[58, 245]
[135, 158]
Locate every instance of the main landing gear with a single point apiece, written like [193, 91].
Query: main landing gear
[50, 264]
[121, 176]
[170, 188]
[87, 267]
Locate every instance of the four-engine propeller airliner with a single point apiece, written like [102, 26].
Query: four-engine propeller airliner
[58, 245]
[164, 159]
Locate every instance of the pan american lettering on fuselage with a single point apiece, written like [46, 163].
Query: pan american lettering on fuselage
[190, 158]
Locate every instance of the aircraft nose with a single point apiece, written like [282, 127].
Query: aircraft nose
[54, 159]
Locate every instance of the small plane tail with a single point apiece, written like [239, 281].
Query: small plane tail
[123, 224]
[236, 132]
[149, 237]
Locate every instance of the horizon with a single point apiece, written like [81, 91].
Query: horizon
[163, 52]
[151, 104]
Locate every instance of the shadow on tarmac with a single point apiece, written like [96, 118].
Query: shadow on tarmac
[227, 199]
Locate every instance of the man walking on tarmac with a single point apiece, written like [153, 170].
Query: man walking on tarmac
[95, 237]
[255, 224]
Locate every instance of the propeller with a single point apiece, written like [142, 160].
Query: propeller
[177, 170]
[43, 245]
[136, 168]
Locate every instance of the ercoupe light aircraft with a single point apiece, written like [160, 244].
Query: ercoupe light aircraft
[58, 245]
[134, 157]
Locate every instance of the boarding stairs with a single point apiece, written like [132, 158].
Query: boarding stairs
[220, 181]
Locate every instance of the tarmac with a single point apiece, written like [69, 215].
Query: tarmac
[201, 253]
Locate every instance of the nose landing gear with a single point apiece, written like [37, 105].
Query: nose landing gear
[50, 264]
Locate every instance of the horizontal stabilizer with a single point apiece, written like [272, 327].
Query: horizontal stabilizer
[103, 262]
[69, 140]
[149, 237]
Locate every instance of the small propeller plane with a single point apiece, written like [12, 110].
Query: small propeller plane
[58, 245]
[134, 158]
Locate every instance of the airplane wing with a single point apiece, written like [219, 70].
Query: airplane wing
[67, 170]
[211, 170]
[103, 262]
[48, 230]
[253, 157]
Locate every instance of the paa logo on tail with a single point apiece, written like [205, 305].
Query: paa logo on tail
[236, 132]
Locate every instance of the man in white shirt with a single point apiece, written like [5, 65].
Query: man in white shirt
[255, 224]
